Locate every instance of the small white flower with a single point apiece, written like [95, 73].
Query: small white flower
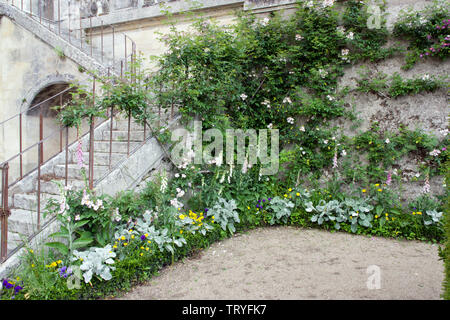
[330, 98]
[426, 77]
[387, 141]
[270, 126]
[177, 175]
[435, 153]
[287, 100]
[340, 30]
[302, 128]
[290, 120]
[183, 175]
[323, 73]
[77, 217]
[350, 35]
[243, 96]
[325, 141]
[298, 37]
[265, 21]
[344, 153]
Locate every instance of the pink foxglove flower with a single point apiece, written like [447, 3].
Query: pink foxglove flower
[426, 187]
[80, 161]
[335, 164]
[389, 178]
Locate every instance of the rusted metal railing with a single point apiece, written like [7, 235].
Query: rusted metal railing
[4, 213]
[45, 153]
[85, 24]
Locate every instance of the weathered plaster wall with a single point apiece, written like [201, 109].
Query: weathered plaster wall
[28, 66]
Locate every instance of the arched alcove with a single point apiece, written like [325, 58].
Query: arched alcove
[44, 102]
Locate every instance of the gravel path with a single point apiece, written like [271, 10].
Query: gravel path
[291, 263]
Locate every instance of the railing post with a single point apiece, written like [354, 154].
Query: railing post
[69, 22]
[113, 46]
[4, 214]
[102, 40]
[39, 185]
[59, 17]
[90, 33]
[67, 157]
[81, 34]
[20, 146]
[91, 154]
[91, 143]
[41, 135]
[129, 129]
[110, 136]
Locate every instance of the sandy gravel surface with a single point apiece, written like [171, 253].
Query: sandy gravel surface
[291, 263]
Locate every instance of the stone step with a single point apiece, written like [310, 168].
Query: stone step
[117, 146]
[100, 158]
[29, 201]
[122, 135]
[51, 187]
[74, 172]
[122, 125]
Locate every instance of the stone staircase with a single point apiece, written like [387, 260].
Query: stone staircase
[23, 196]
[71, 46]
[23, 201]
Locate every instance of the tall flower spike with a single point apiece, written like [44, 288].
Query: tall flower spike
[426, 187]
[80, 161]
[389, 178]
[335, 164]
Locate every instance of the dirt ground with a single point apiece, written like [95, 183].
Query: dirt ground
[291, 263]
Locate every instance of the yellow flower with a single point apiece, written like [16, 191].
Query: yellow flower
[392, 219]
[181, 231]
[131, 230]
[31, 251]
[114, 246]
[146, 235]
[387, 218]
[376, 217]
[59, 262]
[298, 194]
[142, 248]
[125, 244]
[413, 213]
[142, 254]
[182, 216]
[363, 190]
[386, 214]
[248, 208]
[132, 236]
[379, 190]
[81, 259]
[290, 189]
[32, 265]
[419, 212]
[146, 249]
[213, 217]
[285, 195]
[149, 241]
[123, 238]
[377, 185]
[351, 217]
